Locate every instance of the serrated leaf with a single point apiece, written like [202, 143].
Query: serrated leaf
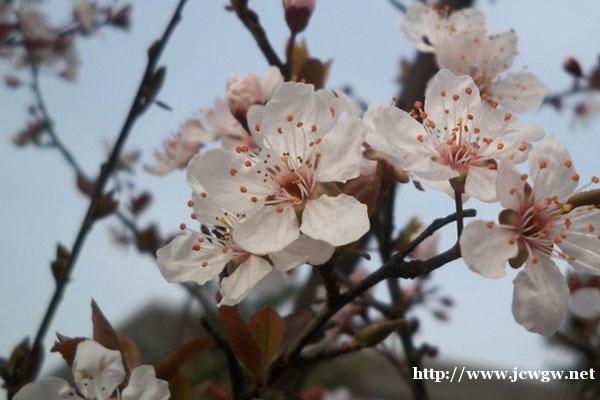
[240, 339]
[66, 347]
[59, 265]
[268, 329]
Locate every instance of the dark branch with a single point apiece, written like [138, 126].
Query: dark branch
[250, 20]
[106, 171]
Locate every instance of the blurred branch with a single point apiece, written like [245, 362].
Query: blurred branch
[235, 370]
[555, 99]
[398, 6]
[251, 21]
[138, 106]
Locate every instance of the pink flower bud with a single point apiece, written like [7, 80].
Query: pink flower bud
[243, 92]
[297, 13]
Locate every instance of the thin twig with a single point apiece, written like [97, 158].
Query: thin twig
[250, 20]
[235, 370]
[398, 6]
[395, 267]
[106, 171]
[458, 202]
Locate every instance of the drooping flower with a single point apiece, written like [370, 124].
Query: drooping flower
[181, 147]
[542, 222]
[200, 257]
[223, 122]
[458, 138]
[462, 45]
[98, 372]
[288, 188]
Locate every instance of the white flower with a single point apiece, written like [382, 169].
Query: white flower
[199, 257]
[225, 127]
[288, 187]
[462, 45]
[458, 137]
[537, 225]
[250, 89]
[98, 372]
[180, 148]
[426, 26]
[85, 13]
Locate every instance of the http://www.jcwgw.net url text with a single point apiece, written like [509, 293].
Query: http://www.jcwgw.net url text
[460, 374]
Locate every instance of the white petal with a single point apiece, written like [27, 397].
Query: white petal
[497, 54]
[462, 53]
[421, 25]
[236, 286]
[450, 98]
[143, 385]
[551, 170]
[341, 152]
[97, 370]
[582, 240]
[221, 174]
[519, 91]
[467, 19]
[303, 250]
[178, 262]
[429, 170]
[486, 247]
[540, 297]
[585, 303]
[270, 82]
[336, 220]
[287, 120]
[267, 231]
[510, 186]
[47, 389]
[481, 184]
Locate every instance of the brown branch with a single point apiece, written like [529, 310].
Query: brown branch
[251, 21]
[235, 370]
[395, 267]
[137, 108]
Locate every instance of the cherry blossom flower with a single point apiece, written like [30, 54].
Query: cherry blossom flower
[462, 45]
[44, 44]
[181, 147]
[98, 372]
[540, 223]
[458, 137]
[200, 257]
[249, 90]
[426, 27]
[288, 188]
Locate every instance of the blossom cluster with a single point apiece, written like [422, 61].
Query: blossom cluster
[99, 373]
[27, 37]
[271, 198]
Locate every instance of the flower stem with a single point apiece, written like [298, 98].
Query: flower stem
[459, 212]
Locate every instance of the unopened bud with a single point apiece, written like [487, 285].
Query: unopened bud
[572, 67]
[297, 13]
[377, 332]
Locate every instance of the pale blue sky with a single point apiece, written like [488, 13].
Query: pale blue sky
[40, 205]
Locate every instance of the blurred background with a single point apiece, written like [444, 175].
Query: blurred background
[41, 205]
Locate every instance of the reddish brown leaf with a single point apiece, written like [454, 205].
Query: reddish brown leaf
[67, 347]
[268, 329]
[103, 330]
[59, 265]
[294, 325]
[148, 240]
[240, 339]
[168, 367]
[21, 368]
[85, 186]
[130, 350]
